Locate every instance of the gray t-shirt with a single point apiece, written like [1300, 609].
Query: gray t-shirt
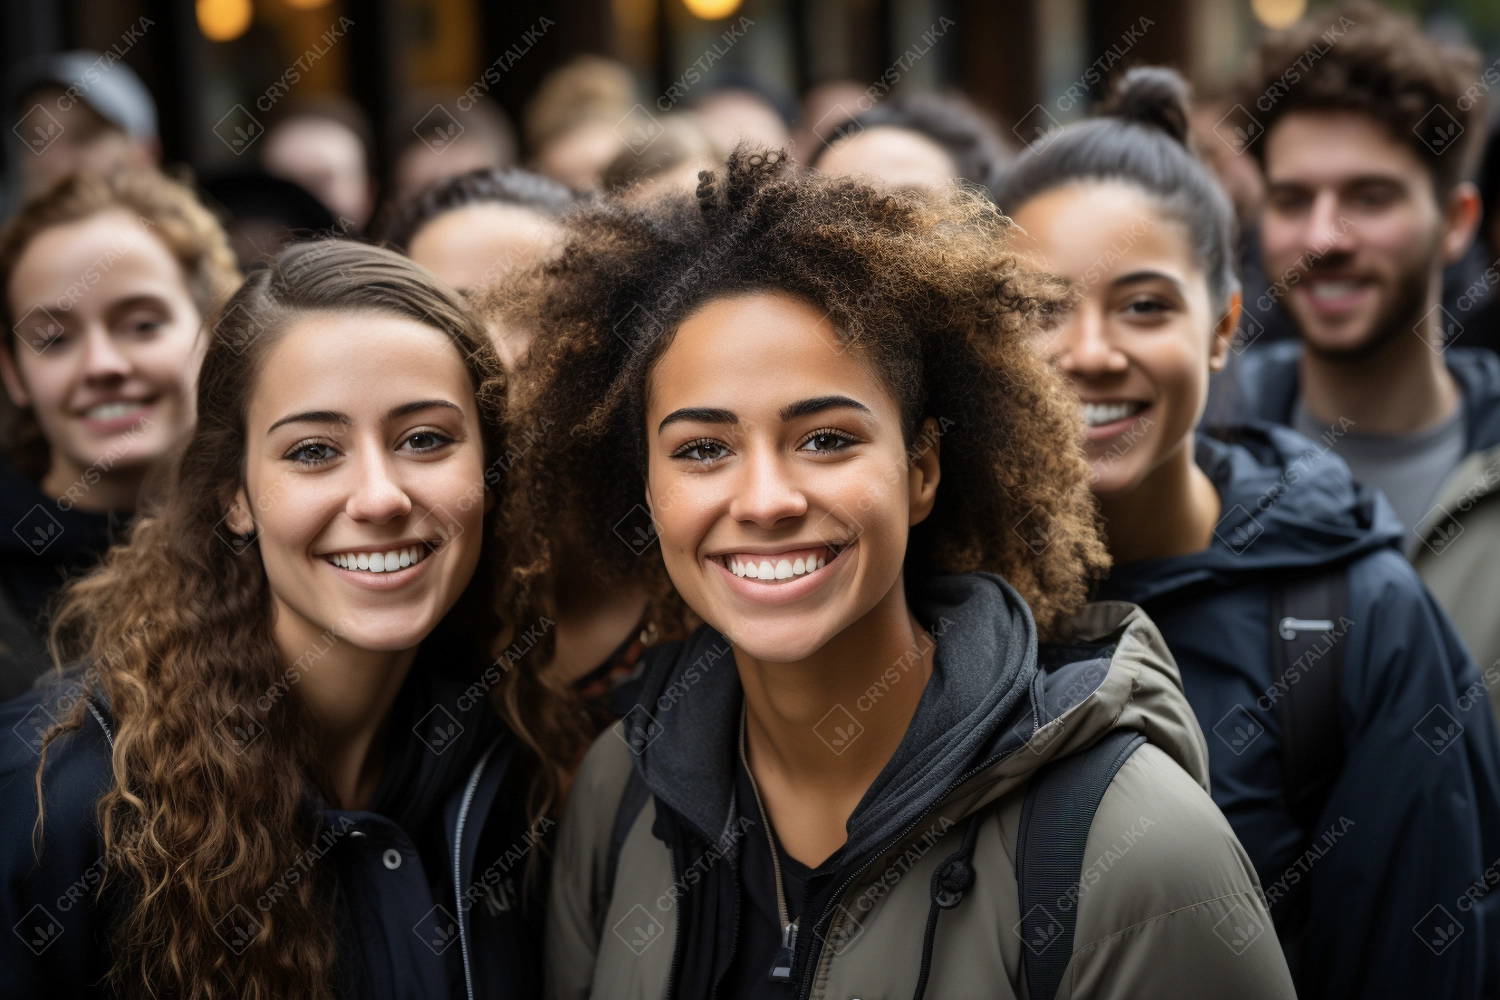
[1408, 468]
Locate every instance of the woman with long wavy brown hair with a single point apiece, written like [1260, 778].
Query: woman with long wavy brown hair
[273, 768]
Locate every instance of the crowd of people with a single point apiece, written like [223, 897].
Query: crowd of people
[1055, 570]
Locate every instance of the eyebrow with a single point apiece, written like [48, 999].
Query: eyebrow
[801, 408]
[335, 417]
[1137, 276]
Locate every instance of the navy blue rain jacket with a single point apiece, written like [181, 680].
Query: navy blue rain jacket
[430, 878]
[1401, 873]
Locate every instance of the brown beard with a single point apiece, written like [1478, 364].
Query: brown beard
[1400, 317]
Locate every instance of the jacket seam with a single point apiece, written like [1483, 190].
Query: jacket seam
[1157, 916]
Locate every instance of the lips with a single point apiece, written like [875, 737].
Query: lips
[1107, 412]
[113, 415]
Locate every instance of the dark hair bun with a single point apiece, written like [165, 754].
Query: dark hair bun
[1153, 96]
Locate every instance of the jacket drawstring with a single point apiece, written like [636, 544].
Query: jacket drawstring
[954, 875]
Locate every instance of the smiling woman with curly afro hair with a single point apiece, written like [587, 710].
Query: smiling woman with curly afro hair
[923, 287]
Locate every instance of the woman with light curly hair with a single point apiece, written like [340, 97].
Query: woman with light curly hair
[805, 417]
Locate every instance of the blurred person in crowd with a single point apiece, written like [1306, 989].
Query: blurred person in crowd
[671, 162]
[75, 111]
[439, 135]
[1365, 203]
[1309, 649]
[580, 118]
[1477, 307]
[825, 108]
[918, 140]
[689, 348]
[325, 145]
[736, 107]
[474, 229]
[275, 709]
[262, 214]
[106, 280]
[1262, 321]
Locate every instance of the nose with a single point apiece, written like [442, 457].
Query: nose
[764, 492]
[102, 358]
[376, 497]
[1326, 230]
[1083, 346]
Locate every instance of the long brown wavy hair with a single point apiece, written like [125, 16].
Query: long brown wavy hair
[924, 286]
[176, 629]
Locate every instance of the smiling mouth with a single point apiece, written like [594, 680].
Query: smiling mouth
[389, 561]
[117, 409]
[1101, 414]
[779, 567]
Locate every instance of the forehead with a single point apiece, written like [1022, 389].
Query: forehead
[1107, 227]
[93, 260]
[360, 364]
[1334, 147]
[756, 351]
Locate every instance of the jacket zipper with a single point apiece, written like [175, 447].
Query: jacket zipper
[805, 989]
[458, 842]
[676, 972]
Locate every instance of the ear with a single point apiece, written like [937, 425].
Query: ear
[923, 473]
[1218, 351]
[239, 520]
[10, 373]
[1460, 221]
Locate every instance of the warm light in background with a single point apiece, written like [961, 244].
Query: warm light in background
[1278, 13]
[223, 20]
[306, 4]
[711, 10]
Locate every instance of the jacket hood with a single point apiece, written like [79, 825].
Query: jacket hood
[1287, 503]
[1268, 381]
[993, 692]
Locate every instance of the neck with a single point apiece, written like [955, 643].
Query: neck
[67, 483]
[1172, 512]
[1403, 387]
[348, 694]
[811, 785]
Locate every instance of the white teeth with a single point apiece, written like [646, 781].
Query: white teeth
[799, 567]
[1099, 414]
[821, 561]
[379, 562]
[405, 558]
[1332, 289]
[784, 569]
[767, 571]
[780, 569]
[111, 411]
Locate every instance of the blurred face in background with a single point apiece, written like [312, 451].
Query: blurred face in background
[328, 160]
[890, 157]
[1353, 232]
[417, 166]
[1140, 343]
[106, 351]
[579, 156]
[85, 141]
[478, 244]
[1238, 175]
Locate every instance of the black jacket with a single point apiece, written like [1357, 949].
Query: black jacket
[47, 543]
[431, 894]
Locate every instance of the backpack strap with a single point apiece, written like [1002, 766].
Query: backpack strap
[632, 801]
[1307, 663]
[1061, 800]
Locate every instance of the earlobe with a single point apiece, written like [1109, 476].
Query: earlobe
[1463, 216]
[239, 519]
[924, 471]
[1224, 333]
[10, 373]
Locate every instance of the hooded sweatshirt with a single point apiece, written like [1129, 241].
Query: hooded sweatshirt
[430, 876]
[1165, 888]
[47, 543]
[1411, 823]
[1455, 547]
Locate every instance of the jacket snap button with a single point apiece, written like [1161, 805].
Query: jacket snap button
[392, 858]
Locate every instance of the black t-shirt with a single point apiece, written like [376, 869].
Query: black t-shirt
[749, 975]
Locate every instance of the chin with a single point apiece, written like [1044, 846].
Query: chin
[779, 642]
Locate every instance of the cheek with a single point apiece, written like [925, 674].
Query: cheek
[47, 380]
[171, 362]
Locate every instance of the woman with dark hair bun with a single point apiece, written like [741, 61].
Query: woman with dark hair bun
[806, 414]
[1331, 683]
[272, 767]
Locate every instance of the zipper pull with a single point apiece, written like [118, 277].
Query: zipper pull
[781, 969]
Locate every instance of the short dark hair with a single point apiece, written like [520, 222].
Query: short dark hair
[505, 186]
[1142, 141]
[1363, 58]
[964, 132]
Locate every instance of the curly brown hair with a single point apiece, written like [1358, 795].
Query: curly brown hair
[186, 228]
[923, 286]
[1366, 58]
[176, 629]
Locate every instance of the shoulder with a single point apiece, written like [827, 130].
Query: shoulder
[1165, 883]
